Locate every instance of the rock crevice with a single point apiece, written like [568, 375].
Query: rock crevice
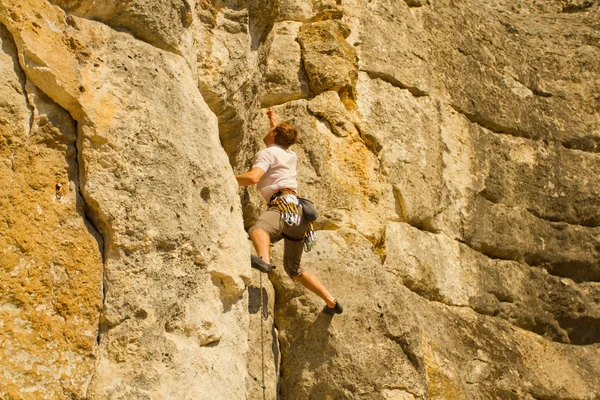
[415, 91]
[491, 125]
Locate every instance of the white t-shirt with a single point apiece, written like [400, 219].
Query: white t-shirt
[279, 165]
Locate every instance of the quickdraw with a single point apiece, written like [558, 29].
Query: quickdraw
[310, 239]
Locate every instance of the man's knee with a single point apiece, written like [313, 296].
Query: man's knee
[297, 276]
[293, 270]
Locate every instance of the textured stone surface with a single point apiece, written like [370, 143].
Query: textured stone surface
[50, 260]
[380, 26]
[443, 270]
[330, 62]
[164, 24]
[451, 147]
[285, 78]
[328, 106]
[453, 176]
[392, 342]
[408, 132]
[504, 73]
[228, 74]
[174, 302]
[551, 182]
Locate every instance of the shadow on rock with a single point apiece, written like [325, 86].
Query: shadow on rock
[313, 346]
[254, 301]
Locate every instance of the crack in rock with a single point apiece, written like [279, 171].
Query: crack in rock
[415, 91]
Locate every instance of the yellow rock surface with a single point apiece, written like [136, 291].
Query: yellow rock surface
[50, 260]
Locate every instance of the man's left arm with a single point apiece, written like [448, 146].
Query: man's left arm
[251, 177]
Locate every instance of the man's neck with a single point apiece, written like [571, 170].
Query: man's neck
[280, 146]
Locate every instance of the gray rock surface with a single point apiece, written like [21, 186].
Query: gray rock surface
[285, 77]
[393, 342]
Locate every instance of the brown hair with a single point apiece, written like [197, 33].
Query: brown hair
[286, 134]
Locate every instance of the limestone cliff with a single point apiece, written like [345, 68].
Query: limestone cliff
[451, 146]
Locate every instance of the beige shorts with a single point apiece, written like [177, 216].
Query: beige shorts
[270, 222]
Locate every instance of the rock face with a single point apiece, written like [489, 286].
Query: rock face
[174, 294]
[51, 269]
[451, 147]
[329, 61]
[398, 339]
[282, 83]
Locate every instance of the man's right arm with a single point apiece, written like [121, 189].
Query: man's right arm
[272, 118]
[251, 177]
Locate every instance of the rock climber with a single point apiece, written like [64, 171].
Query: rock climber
[274, 172]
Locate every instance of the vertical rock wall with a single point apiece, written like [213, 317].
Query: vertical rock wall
[450, 146]
[51, 263]
[155, 182]
[469, 270]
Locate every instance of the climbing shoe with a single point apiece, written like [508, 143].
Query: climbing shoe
[259, 264]
[338, 309]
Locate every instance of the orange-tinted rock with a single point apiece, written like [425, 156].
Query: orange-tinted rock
[51, 262]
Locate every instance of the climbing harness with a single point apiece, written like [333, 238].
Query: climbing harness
[288, 206]
[292, 208]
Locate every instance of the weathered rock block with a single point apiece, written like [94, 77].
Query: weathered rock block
[310, 11]
[513, 233]
[328, 106]
[444, 270]
[330, 62]
[285, 78]
[551, 182]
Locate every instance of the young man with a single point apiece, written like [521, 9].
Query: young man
[274, 171]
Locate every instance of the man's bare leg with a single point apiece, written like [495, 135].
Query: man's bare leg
[262, 243]
[312, 283]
